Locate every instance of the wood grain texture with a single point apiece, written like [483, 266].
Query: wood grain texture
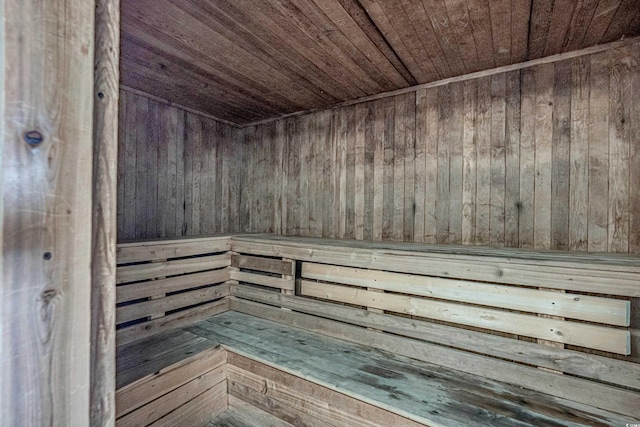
[104, 222]
[267, 59]
[46, 86]
[487, 161]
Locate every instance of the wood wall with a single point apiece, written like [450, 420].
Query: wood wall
[46, 116]
[176, 172]
[544, 157]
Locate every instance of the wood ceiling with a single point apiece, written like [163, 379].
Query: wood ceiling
[248, 60]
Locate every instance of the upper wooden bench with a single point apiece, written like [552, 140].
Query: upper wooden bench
[562, 324]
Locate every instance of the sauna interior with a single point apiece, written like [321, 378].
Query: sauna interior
[320, 213]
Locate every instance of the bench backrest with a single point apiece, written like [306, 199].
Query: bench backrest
[168, 284]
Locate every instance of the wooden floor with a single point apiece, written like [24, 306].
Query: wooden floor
[242, 414]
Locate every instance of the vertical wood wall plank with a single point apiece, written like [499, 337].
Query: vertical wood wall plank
[560, 167]
[512, 203]
[599, 152]
[579, 155]
[527, 158]
[469, 164]
[483, 168]
[104, 221]
[46, 86]
[498, 178]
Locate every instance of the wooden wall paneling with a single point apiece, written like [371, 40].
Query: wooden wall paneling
[634, 158]
[388, 197]
[151, 173]
[122, 135]
[163, 170]
[579, 155]
[350, 175]
[527, 159]
[483, 168]
[512, 204]
[305, 165]
[456, 131]
[326, 141]
[619, 106]
[104, 220]
[560, 167]
[293, 183]
[400, 156]
[419, 166]
[46, 87]
[445, 142]
[468, 224]
[315, 177]
[544, 76]
[359, 159]
[378, 167]
[180, 224]
[497, 160]
[369, 171]
[599, 152]
[142, 136]
[128, 146]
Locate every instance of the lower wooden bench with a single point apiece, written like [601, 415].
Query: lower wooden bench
[305, 378]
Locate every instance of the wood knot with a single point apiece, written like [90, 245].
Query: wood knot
[48, 295]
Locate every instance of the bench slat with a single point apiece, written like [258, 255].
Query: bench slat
[162, 286]
[165, 249]
[259, 279]
[579, 334]
[133, 273]
[276, 266]
[169, 303]
[593, 309]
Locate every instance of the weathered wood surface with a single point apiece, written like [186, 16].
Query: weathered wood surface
[267, 59]
[46, 116]
[243, 414]
[104, 223]
[577, 363]
[419, 391]
[498, 160]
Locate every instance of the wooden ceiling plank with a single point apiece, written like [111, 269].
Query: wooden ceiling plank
[563, 11]
[187, 74]
[396, 39]
[463, 29]
[500, 12]
[539, 27]
[482, 32]
[215, 71]
[366, 24]
[351, 31]
[520, 15]
[634, 26]
[283, 45]
[207, 46]
[306, 45]
[582, 17]
[410, 25]
[602, 17]
[437, 27]
[296, 16]
[213, 16]
[343, 43]
[623, 17]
